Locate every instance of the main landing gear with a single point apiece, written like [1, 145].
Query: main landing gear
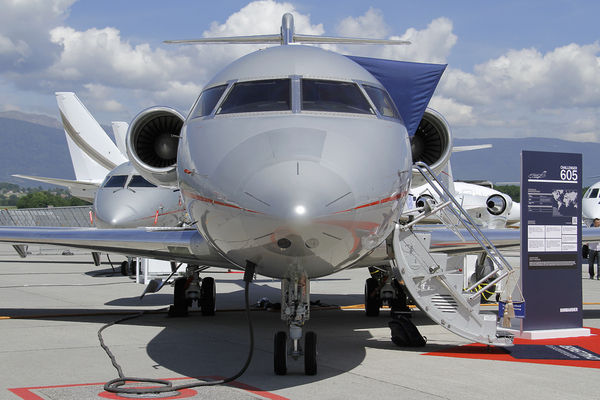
[192, 288]
[295, 310]
[382, 287]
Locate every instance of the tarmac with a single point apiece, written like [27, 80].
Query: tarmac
[52, 306]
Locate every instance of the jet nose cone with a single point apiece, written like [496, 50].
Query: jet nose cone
[298, 190]
[111, 216]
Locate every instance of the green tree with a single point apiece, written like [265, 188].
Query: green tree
[513, 191]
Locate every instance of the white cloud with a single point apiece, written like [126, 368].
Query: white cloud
[455, 113]
[100, 57]
[432, 45]
[522, 92]
[24, 27]
[370, 25]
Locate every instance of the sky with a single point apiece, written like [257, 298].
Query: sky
[515, 68]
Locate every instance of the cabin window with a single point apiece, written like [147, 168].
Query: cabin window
[115, 181]
[207, 101]
[138, 181]
[382, 101]
[333, 96]
[258, 96]
[593, 193]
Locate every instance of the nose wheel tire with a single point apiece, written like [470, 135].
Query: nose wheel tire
[311, 353]
[280, 353]
[180, 303]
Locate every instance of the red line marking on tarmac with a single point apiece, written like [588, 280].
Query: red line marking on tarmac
[480, 351]
[27, 394]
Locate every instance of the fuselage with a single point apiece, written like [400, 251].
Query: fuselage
[294, 158]
[127, 200]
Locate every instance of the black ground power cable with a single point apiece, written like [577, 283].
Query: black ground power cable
[114, 386]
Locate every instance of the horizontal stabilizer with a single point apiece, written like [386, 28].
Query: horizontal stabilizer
[61, 182]
[85, 190]
[277, 39]
[287, 36]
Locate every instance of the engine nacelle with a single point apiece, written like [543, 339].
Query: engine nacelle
[499, 204]
[431, 144]
[152, 141]
[423, 199]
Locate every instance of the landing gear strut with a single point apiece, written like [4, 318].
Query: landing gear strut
[295, 310]
[192, 288]
[382, 287]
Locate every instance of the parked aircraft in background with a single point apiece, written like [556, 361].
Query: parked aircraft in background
[121, 197]
[590, 204]
[294, 163]
[487, 207]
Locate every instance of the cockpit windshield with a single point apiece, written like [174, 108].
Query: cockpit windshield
[138, 181]
[258, 96]
[207, 101]
[333, 96]
[115, 181]
[593, 193]
[319, 95]
[382, 101]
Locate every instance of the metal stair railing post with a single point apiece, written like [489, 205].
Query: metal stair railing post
[445, 197]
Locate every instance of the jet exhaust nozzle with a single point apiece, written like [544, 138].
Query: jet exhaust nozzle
[497, 204]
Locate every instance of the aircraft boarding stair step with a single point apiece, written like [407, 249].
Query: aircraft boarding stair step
[435, 283]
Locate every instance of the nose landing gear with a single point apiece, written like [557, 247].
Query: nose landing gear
[295, 310]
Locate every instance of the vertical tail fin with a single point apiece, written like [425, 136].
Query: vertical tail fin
[120, 132]
[86, 169]
[85, 132]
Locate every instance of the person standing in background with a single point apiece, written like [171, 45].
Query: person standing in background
[594, 253]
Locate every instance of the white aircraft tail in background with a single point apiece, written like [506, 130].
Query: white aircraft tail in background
[85, 131]
[120, 132]
[93, 153]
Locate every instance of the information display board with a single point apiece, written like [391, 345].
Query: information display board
[551, 239]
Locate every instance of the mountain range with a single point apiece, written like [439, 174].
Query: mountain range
[36, 145]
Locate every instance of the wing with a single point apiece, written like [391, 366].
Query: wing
[182, 245]
[445, 241]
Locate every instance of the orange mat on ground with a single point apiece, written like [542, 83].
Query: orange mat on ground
[574, 352]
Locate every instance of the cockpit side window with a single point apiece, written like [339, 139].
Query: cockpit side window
[594, 193]
[115, 181]
[382, 101]
[138, 181]
[258, 96]
[207, 101]
[333, 96]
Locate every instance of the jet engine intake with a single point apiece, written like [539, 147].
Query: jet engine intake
[431, 144]
[152, 141]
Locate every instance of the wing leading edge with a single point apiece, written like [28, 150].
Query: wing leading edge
[188, 246]
[181, 245]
